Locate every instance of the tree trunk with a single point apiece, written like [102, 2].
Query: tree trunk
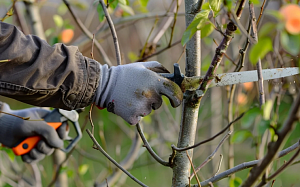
[182, 166]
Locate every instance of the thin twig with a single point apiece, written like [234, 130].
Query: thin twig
[225, 53]
[174, 22]
[99, 148]
[146, 43]
[92, 52]
[10, 9]
[253, 22]
[242, 29]
[210, 184]
[187, 154]
[123, 22]
[245, 165]
[158, 52]
[165, 23]
[90, 117]
[260, 83]
[148, 147]
[261, 12]
[88, 156]
[181, 55]
[210, 157]
[88, 33]
[24, 118]
[273, 147]
[272, 183]
[258, 64]
[7, 60]
[219, 166]
[113, 32]
[296, 162]
[209, 139]
[286, 164]
[126, 163]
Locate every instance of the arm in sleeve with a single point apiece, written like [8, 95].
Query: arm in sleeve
[42, 75]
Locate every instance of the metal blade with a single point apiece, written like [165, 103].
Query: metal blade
[192, 83]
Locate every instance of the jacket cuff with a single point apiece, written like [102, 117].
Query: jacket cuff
[92, 81]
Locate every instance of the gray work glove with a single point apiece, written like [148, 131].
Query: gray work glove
[14, 129]
[133, 90]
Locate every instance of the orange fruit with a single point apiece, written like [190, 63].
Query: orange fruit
[291, 14]
[242, 99]
[66, 35]
[248, 86]
[293, 25]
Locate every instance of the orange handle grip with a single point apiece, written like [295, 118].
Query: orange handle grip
[29, 143]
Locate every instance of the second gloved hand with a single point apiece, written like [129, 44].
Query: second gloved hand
[133, 90]
[14, 129]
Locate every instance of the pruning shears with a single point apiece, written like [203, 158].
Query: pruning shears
[193, 83]
[55, 119]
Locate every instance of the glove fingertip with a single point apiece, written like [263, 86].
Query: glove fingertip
[56, 143]
[26, 158]
[173, 92]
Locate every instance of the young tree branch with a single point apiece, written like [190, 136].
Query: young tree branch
[209, 139]
[254, 24]
[211, 156]
[99, 148]
[220, 51]
[126, 163]
[148, 147]
[194, 171]
[113, 32]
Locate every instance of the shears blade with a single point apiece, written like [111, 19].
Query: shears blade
[251, 76]
[193, 83]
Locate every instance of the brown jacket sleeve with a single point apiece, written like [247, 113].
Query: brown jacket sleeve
[42, 75]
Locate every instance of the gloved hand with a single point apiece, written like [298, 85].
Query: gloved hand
[133, 90]
[14, 129]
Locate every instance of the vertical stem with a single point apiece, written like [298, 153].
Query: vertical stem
[182, 166]
[58, 159]
[254, 29]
